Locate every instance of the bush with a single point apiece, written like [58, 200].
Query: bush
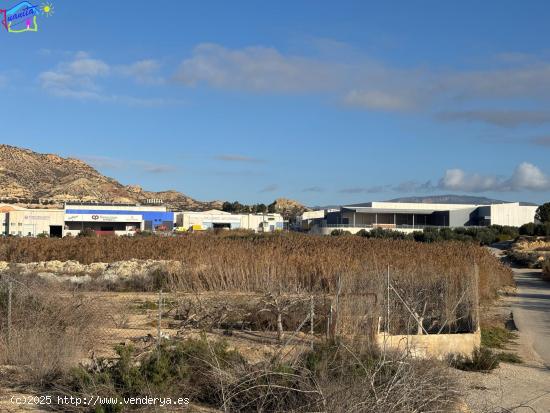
[532, 229]
[506, 357]
[190, 367]
[339, 232]
[381, 233]
[496, 337]
[331, 377]
[483, 359]
[87, 232]
[546, 269]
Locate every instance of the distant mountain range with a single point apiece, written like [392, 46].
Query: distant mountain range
[453, 199]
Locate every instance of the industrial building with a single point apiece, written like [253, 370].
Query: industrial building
[124, 219]
[23, 222]
[408, 217]
[214, 219]
[117, 219]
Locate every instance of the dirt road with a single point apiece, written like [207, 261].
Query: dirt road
[531, 309]
[526, 387]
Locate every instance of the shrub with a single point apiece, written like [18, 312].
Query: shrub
[483, 359]
[532, 229]
[87, 232]
[496, 337]
[546, 269]
[331, 377]
[507, 357]
[543, 213]
[338, 232]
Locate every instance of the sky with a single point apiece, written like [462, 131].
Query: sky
[322, 102]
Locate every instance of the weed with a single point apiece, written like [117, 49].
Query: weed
[496, 337]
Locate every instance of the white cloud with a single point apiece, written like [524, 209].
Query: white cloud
[373, 85]
[258, 68]
[503, 118]
[84, 65]
[459, 180]
[80, 78]
[237, 158]
[379, 100]
[143, 71]
[526, 177]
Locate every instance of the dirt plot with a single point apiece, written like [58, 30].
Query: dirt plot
[246, 322]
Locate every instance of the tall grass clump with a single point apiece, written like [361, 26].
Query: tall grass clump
[440, 283]
[49, 330]
[249, 262]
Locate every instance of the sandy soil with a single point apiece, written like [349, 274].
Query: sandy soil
[512, 387]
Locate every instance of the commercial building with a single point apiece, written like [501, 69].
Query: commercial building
[214, 219]
[17, 221]
[117, 219]
[408, 217]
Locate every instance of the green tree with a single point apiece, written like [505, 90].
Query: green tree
[543, 213]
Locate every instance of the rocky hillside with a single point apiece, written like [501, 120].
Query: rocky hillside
[288, 208]
[31, 178]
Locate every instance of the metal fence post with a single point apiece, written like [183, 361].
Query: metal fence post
[311, 315]
[159, 322]
[10, 288]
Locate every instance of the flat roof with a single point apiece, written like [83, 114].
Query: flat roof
[390, 210]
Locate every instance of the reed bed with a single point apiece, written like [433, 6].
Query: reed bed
[290, 262]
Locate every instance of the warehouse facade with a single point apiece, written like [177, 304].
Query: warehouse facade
[117, 219]
[216, 219]
[23, 222]
[409, 217]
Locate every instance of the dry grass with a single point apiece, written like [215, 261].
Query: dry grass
[435, 282]
[293, 262]
[49, 332]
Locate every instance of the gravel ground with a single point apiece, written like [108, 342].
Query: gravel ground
[518, 387]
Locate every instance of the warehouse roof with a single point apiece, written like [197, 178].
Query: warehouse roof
[388, 210]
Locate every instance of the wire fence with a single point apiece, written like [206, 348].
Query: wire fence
[48, 325]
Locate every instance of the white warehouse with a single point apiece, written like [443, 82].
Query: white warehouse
[215, 219]
[409, 217]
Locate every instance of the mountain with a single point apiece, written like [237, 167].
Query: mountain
[453, 199]
[31, 178]
[288, 208]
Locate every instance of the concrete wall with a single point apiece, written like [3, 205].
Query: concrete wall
[462, 217]
[514, 215]
[439, 346]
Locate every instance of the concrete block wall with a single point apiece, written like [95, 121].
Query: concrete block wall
[439, 346]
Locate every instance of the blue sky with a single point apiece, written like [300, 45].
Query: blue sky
[323, 102]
